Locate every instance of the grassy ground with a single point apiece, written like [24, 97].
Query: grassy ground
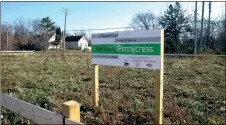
[194, 90]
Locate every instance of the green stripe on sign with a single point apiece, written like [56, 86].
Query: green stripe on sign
[129, 49]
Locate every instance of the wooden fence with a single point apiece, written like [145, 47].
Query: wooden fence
[16, 52]
[39, 115]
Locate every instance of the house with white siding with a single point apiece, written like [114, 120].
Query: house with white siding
[52, 43]
[77, 43]
[72, 43]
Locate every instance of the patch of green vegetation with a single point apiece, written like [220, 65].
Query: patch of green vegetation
[194, 89]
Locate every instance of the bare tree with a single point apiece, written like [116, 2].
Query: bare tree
[36, 37]
[21, 32]
[36, 26]
[25, 34]
[145, 21]
[28, 34]
[6, 33]
[221, 42]
[49, 26]
[36, 31]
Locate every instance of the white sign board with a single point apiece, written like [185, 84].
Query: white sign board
[140, 49]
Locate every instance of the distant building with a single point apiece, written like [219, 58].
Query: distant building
[77, 43]
[52, 43]
[72, 43]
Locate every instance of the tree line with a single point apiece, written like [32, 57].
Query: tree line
[31, 34]
[179, 30]
[27, 35]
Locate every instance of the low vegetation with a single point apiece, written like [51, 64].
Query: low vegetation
[194, 89]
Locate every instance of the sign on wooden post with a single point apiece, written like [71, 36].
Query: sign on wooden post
[159, 85]
[139, 49]
[95, 80]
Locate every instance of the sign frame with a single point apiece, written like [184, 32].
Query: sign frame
[138, 49]
[158, 85]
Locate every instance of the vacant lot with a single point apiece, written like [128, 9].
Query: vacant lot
[194, 89]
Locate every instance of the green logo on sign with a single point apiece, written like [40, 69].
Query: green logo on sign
[131, 49]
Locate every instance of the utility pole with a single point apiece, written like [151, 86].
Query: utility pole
[65, 22]
[89, 34]
[7, 37]
[201, 41]
[47, 38]
[208, 40]
[7, 41]
[195, 42]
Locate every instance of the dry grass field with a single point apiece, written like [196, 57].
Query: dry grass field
[194, 89]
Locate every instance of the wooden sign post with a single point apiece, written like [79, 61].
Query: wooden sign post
[140, 49]
[95, 80]
[159, 86]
